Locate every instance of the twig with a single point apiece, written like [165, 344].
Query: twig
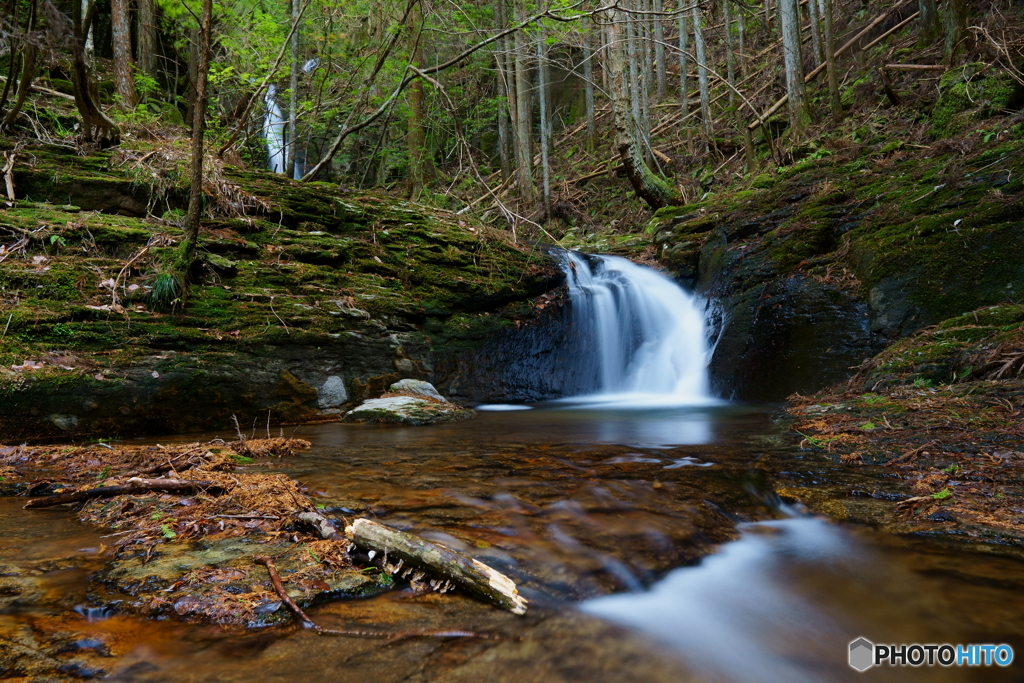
[133, 486]
[275, 580]
[912, 454]
[7, 326]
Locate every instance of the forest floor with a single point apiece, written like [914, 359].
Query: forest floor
[941, 416]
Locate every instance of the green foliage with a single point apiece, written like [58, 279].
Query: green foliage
[167, 532]
[165, 293]
[943, 494]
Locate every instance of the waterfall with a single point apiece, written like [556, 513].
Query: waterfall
[273, 131]
[642, 339]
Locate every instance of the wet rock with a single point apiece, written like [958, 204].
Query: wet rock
[407, 410]
[417, 388]
[332, 394]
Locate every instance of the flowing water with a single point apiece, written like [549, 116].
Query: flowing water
[273, 131]
[646, 341]
[648, 542]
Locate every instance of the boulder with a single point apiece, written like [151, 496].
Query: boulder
[417, 388]
[407, 410]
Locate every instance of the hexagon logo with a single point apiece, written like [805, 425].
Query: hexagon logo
[862, 654]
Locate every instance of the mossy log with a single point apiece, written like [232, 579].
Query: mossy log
[471, 575]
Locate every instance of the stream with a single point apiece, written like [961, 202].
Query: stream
[639, 520]
[604, 518]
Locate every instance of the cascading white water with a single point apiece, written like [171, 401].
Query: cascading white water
[643, 338]
[273, 131]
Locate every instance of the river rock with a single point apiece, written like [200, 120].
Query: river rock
[418, 388]
[407, 410]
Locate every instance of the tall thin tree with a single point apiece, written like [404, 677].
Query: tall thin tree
[702, 71]
[121, 42]
[195, 195]
[791, 52]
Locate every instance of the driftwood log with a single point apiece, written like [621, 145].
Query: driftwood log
[133, 486]
[471, 575]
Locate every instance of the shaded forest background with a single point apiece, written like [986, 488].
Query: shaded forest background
[556, 121]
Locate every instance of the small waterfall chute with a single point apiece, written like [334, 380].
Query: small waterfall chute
[273, 131]
[642, 339]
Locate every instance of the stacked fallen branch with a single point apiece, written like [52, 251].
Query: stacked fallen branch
[207, 496]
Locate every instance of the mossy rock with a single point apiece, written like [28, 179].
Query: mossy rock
[970, 93]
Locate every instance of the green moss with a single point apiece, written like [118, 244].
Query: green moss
[972, 92]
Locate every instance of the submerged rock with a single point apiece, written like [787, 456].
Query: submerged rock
[407, 410]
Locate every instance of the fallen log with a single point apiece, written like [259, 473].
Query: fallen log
[471, 575]
[307, 622]
[132, 487]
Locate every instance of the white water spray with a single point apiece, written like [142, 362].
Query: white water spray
[273, 131]
[645, 339]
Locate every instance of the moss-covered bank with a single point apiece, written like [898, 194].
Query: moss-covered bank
[306, 297]
[820, 266]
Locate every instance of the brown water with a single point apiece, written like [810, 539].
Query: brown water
[574, 505]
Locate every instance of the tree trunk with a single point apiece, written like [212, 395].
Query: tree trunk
[195, 198]
[791, 44]
[96, 126]
[588, 87]
[507, 100]
[652, 189]
[545, 123]
[28, 71]
[291, 146]
[830, 60]
[702, 71]
[419, 162]
[929, 26]
[147, 37]
[817, 46]
[956, 26]
[730, 60]
[632, 88]
[643, 34]
[684, 86]
[659, 51]
[121, 41]
[741, 27]
[524, 157]
[193, 74]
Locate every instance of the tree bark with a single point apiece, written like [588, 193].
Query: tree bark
[524, 158]
[791, 51]
[741, 27]
[684, 87]
[121, 41]
[147, 36]
[730, 60]
[28, 71]
[195, 198]
[416, 139]
[652, 189]
[588, 87]
[702, 72]
[545, 123]
[96, 126]
[472, 576]
[956, 26]
[929, 30]
[830, 60]
[817, 45]
[292, 141]
[660, 73]
[507, 105]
